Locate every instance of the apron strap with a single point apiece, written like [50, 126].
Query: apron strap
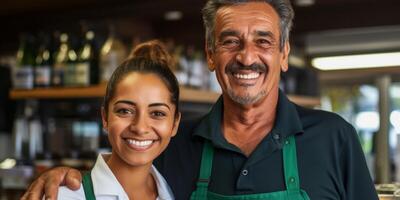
[205, 172]
[88, 186]
[290, 165]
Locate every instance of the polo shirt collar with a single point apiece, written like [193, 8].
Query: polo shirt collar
[287, 122]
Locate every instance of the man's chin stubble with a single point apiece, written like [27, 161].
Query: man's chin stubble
[247, 99]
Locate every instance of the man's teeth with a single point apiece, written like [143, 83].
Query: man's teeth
[247, 76]
[140, 143]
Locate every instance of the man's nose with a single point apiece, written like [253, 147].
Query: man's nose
[247, 55]
[139, 125]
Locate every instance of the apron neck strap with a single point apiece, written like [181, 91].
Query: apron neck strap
[290, 164]
[88, 186]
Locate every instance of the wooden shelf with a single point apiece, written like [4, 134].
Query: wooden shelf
[187, 94]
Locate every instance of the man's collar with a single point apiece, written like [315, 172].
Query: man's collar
[287, 121]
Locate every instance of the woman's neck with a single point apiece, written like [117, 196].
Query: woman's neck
[137, 181]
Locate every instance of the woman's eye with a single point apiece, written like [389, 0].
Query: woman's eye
[158, 114]
[123, 111]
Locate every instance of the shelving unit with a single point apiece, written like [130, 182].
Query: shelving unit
[187, 95]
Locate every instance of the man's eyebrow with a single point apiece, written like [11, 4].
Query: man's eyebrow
[264, 33]
[226, 33]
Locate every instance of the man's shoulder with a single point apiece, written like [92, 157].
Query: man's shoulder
[313, 117]
[64, 193]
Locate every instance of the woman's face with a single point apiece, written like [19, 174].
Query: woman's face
[141, 118]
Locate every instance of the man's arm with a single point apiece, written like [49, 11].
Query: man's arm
[47, 184]
[357, 179]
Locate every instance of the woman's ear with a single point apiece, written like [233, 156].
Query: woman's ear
[104, 118]
[176, 124]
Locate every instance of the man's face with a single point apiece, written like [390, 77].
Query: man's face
[247, 58]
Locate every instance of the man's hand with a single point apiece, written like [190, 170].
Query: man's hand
[49, 182]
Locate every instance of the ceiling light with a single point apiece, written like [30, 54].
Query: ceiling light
[173, 15]
[304, 3]
[357, 61]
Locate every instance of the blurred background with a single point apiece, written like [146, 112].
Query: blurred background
[56, 56]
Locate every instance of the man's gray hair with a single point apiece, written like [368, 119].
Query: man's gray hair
[282, 7]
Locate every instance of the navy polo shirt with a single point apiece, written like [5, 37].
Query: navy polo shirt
[331, 163]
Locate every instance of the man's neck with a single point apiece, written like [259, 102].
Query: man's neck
[246, 125]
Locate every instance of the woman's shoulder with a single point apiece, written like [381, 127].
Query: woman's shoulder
[64, 193]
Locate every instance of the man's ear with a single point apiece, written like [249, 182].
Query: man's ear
[209, 55]
[104, 118]
[176, 124]
[285, 57]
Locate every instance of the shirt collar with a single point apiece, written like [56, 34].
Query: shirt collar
[287, 121]
[105, 183]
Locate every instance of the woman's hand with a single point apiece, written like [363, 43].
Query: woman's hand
[47, 184]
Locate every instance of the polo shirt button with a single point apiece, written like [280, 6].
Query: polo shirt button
[291, 180]
[245, 172]
[287, 142]
[276, 136]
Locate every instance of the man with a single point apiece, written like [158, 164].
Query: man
[254, 143]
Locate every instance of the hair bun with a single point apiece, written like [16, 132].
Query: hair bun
[155, 51]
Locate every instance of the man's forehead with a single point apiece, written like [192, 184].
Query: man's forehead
[257, 13]
[248, 9]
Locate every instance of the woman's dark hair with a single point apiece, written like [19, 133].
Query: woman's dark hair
[149, 57]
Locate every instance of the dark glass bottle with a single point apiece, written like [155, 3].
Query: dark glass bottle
[23, 75]
[60, 61]
[44, 62]
[87, 67]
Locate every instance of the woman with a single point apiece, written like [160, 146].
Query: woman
[140, 114]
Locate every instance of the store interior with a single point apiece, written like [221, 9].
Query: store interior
[44, 124]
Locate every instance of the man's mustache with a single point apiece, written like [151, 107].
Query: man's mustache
[235, 66]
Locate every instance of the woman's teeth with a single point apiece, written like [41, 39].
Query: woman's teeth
[247, 76]
[142, 143]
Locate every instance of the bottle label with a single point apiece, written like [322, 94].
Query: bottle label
[82, 74]
[70, 75]
[42, 76]
[23, 77]
[108, 65]
[58, 74]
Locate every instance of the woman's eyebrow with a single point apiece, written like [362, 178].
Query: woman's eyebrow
[125, 102]
[159, 104]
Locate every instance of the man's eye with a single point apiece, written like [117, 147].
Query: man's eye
[230, 43]
[264, 42]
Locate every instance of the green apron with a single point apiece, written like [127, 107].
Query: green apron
[88, 186]
[292, 192]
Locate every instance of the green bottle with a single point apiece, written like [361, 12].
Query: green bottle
[87, 67]
[23, 76]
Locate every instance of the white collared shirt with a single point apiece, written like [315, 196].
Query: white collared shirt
[107, 187]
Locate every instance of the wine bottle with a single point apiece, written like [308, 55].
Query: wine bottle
[87, 67]
[43, 63]
[60, 62]
[71, 68]
[112, 53]
[23, 71]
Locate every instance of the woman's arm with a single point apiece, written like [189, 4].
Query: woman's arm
[47, 184]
